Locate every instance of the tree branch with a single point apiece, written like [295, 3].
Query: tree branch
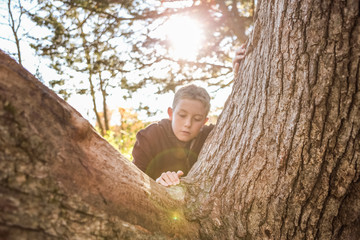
[77, 168]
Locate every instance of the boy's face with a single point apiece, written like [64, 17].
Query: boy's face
[187, 119]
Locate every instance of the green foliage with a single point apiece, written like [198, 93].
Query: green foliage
[122, 141]
[120, 38]
[82, 46]
[225, 24]
[122, 135]
[99, 45]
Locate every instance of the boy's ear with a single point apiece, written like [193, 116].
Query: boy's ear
[206, 119]
[170, 113]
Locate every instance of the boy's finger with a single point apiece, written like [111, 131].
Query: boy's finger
[166, 178]
[239, 57]
[236, 68]
[241, 49]
[180, 173]
[177, 181]
[172, 177]
[162, 182]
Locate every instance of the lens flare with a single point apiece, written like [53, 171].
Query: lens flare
[185, 35]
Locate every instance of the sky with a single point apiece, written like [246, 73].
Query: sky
[185, 35]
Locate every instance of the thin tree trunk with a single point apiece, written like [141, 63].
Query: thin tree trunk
[284, 159]
[15, 29]
[105, 110]
[93, 98]
[90, 72]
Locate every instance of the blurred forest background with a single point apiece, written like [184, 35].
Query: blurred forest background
[119, 62]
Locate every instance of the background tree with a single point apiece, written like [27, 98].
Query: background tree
[225, 24]
[15, 24]
[13, 19]
[135, 27]
[18, 32]
[82, 44]
[282, 162]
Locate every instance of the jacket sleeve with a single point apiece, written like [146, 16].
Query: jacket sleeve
[143, 150]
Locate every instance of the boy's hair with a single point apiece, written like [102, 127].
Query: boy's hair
[193, 92]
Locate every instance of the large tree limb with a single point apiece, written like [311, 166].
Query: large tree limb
[59, 178]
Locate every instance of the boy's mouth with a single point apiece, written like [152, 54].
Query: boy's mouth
[185, 132]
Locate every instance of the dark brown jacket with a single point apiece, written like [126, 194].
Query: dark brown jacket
[157, 149]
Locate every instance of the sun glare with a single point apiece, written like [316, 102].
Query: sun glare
[185, 36]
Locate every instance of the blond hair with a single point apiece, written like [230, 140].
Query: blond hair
[192, 92]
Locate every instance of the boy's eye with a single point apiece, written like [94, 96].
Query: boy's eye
[198, 119]
[182, 115]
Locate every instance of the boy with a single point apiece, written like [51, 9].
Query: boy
[167, 150]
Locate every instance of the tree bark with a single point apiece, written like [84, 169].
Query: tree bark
[282, 163]
[284, 159]
[60, 179]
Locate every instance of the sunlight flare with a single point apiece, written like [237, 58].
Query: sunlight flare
[185, 36]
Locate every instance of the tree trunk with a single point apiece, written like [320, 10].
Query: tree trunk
[104, 103]
[15, 28]
[284, 159]
[282, 163]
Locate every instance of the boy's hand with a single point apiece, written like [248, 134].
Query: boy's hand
[169, 178]
[239, 55]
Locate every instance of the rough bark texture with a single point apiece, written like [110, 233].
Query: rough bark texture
[284, 159]
[282, 163]
[60, 179]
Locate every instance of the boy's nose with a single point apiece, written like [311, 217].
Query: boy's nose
[188, 122]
